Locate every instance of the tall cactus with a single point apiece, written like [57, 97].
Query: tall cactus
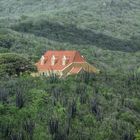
[20, 101]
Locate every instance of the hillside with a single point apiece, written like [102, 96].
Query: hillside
[85, 107]
[112, 17]
[97, 25]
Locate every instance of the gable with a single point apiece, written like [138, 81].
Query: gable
[78, 57]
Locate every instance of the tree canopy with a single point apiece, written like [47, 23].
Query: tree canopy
[14, 64]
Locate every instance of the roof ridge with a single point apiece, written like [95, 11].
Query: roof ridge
[74, 56]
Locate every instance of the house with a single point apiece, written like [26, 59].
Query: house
[63, 63]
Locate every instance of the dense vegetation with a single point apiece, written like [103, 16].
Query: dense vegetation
[87, 106]
[13, 64]
[83, 107]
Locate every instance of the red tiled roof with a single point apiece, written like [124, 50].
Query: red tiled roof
[75, 70]
[71, 56]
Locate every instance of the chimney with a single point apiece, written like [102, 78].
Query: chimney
[53, 60]
[42, 60]
[64, 59]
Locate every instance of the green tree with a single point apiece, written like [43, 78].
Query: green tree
[138, 135]
[14, 64]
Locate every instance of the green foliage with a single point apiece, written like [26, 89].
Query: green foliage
[70, 108]
[86, 106]
[138, 135]
[70, 33]
[14, 64]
